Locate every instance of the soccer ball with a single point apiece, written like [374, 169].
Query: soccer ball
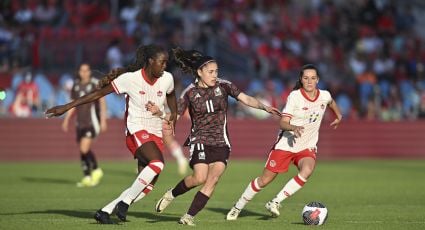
[314, 213]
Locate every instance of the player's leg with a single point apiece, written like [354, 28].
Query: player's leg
[215, 170]
[174, 147]
[84, 143]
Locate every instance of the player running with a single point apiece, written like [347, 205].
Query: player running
[209, 142]
[300, 123]
[145, 80]
[91, 119]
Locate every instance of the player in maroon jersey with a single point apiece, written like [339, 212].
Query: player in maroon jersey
[209, 142]
[91, 119]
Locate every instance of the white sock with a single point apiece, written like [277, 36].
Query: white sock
[290, 188]
[109, 208]
[177, 151]
[249, 193]
[144, 178]
[144, 193]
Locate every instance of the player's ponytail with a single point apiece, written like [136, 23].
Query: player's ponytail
[299, 84]
[190, 61]
[143, 53]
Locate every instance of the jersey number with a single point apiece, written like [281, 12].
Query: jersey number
[210, 107]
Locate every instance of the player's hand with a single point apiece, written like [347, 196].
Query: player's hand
[56, 111]
[298, 130]
[150, 106]
[272, 110]
[336, 122]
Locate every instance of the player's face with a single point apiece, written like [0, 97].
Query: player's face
[208, 74]
[309, 80]
[84, 72]
[158, 64]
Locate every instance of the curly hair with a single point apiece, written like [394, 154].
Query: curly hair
[190, 61]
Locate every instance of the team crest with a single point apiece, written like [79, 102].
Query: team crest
[159, 93]
[201, 155]
[217, 91]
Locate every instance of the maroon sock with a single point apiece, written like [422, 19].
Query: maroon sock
[180, 188]
[198, 203]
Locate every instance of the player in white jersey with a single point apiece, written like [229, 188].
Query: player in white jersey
[142, 82]
[296, 142]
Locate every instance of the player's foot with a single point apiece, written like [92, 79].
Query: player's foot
[121, 210]
[182, 166]
[273, 208]
[102, 217]
[96, 176]
[164, 201]
[187, 220]
[85, 182]
[233, 213]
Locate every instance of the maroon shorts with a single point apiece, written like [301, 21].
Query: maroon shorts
[88, 132]
[279, 160]
[200, 153]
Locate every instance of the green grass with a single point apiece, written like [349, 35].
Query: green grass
[368, 194]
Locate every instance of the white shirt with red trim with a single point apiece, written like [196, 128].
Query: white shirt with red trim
[139, 91]
[305, 112]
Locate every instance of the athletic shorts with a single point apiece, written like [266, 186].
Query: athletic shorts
[89, 132]
[137, 139]
[200, 153]
[279, 160]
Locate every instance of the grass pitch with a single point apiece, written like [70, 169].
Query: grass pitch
[367, 194]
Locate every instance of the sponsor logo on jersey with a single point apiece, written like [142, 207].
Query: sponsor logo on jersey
[159, 93]
[201, 155]
[217, 92]
[142, 181]
[286, 193]
[142, 92]
[305, 108]
[272, 163]
[145, 136]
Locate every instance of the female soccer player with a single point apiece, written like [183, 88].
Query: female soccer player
[91, 119]
[296, 142]
[208, 140]
[145, 80]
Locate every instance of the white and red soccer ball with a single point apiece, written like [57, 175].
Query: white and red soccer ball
[314, 213]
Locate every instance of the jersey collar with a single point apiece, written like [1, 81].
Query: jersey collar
[307, 97]
[147, 79]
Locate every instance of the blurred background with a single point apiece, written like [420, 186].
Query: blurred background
[370, 53]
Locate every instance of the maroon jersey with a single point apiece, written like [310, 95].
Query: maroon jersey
[208, 112]
[88, 115]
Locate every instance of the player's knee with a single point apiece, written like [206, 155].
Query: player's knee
[306, 171]
[199, 179]
[156, 165]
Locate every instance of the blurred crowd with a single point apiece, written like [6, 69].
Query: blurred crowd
[370, 53]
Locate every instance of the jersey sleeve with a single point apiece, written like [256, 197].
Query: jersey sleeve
[231, 89]
[288, 111]
[182, 103]
[122, 83]
[170, 84]
[328, 97]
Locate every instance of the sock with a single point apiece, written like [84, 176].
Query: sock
[177, 151]
[144, 193]
[92, 160]
[180, 188]
[251, 190]
[198, 203]
[144, 178]
[85, 164]
[109, 208]
[290, 188]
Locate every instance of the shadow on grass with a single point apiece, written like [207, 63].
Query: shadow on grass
[47, 180]
[154, 218]
[83, 214]
[243, 213]
[298, 223]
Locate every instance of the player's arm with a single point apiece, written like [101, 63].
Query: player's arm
[103, 114]
[91, 97]
[334, 107]
[285, 125]
[254, 103]
[65, 122]
[172, 104]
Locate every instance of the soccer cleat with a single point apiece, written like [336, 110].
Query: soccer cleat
[233, 213]
[182, 166]
[164, 201]
[96, 176]
[121, 210]
[85, 182]
[273, 208]
[102, 217]
[187, 219]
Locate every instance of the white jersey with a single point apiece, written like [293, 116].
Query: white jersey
[138, 92]
[305, 112]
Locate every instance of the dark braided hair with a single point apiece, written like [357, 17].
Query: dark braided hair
[190, 60]
[299, 84]
[143, 53]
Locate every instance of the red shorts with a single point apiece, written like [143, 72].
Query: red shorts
[139, 138]
[279, 160]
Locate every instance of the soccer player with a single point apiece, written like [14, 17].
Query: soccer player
[143, 81]
[91, 119]
[300, 123]
[209, 142]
